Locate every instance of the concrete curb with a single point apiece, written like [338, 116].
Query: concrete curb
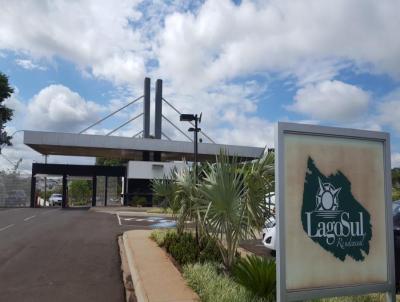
[136, 280]
[126, 273]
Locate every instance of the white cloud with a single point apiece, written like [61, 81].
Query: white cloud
[396, 160]
[223, 40]
[247, 131]
[19, 151]
[331, 101]
[29, 65]
[389, 110]
[95, 35]
[202, 51]
[202, 44]
[15, 103]
[12, 154]
[57, 108]
[228, 114]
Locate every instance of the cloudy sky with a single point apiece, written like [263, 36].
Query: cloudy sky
[244, 64]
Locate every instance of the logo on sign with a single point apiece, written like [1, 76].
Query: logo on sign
[332, 217]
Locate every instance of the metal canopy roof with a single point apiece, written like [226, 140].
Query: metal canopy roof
[56, 143]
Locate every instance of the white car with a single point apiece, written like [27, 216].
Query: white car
[55, 199]
[269, 230]
[269, 235]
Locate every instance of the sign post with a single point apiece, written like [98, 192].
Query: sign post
[334, 214]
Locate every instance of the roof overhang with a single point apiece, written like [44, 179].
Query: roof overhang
[57, 143]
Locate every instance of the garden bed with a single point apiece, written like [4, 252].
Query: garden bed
[202, 268]
[212, 283]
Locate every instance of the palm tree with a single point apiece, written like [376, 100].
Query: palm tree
[223, 206]
[165, 189]
[231, 201]
[259, 178]
[179, 193]
[185, 197]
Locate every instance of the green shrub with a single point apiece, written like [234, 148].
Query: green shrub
[395, 194]
[159, 235]
[170, 239]
[138, 201]
[258, 275]
[184, 249]
[209, 251]
[213, 287]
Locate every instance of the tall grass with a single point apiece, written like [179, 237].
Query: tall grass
[159, 235]
[213, 287]
[257, 275]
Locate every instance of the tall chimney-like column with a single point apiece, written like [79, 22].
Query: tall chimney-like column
[158, 110]
[146, 109]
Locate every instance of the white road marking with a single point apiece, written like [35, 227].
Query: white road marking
[128, 219]
[153, 220]
[29, 218]
[6, 227]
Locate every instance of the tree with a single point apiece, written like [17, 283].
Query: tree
[5, 113]
[396, 177]
[80, 191]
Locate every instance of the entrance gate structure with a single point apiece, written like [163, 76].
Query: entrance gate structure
[76, 170]
[147, 156]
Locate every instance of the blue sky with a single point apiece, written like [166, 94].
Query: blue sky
[245, 64]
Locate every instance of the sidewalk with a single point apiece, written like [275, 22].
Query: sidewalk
[154, 276]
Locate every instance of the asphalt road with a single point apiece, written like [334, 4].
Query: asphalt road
[59, 255]
[255, 246]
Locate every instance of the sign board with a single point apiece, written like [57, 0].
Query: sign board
[334, 214]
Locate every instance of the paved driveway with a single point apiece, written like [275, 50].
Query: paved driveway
[59, 255]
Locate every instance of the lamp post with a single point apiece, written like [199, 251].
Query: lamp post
[196, 130]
